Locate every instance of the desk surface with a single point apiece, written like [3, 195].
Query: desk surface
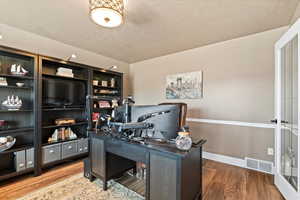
[162, 147]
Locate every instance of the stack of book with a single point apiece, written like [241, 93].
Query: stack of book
[61, 71]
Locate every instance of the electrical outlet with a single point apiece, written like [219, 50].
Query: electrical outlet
[270, 151]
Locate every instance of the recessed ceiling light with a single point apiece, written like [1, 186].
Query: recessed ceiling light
[107, 13]
[72, 56]
[1, 37]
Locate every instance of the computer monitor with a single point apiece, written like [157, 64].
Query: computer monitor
[164, 118]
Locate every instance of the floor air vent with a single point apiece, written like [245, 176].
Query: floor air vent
[259, 165]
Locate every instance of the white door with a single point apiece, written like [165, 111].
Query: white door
[287, 114]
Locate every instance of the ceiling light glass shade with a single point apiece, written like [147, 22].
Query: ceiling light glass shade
[107, 13]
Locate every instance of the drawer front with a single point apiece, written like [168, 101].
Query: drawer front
[83, 145]
[20, 160]
[69, 149]
[51, 153]
[30, 158]
[128, 151]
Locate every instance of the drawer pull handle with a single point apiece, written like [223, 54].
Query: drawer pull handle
[70, 147]
[51, 151]
[30, 162]
[21, 165]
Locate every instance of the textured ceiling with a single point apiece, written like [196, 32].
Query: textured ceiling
[152, 27]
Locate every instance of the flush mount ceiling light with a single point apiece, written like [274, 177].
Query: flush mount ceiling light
[107, 13]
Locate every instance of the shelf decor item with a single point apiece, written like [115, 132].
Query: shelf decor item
[114, 103]
[95, 117]
[61, 71]
[107, 92]
[65, 121]
[104, 83]
[112, 83]
[6, 143]
[184, 141]
[107, 13]
[62, 134]
[71, 134]
[95, 82]
[12, 103]
[104, 104]
[2, 125]
[3, 81]
[18, 70]
[20, 84]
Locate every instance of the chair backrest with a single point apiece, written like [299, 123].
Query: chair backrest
[182, 112]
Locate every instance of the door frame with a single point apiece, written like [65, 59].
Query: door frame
[282, 184]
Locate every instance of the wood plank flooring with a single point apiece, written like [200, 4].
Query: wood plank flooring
[226, 182]
[221, 182]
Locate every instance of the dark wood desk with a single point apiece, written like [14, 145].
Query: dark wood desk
[171, 174]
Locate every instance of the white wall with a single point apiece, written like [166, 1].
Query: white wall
[238, 86]
[16, 38]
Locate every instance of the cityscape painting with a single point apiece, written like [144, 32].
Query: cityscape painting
[185, 86]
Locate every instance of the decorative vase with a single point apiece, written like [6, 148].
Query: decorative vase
[184, 141]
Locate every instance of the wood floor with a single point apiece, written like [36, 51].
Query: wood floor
[221, 182]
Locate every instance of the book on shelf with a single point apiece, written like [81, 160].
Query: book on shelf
[65, 74]
[61, 71]
[64, 70]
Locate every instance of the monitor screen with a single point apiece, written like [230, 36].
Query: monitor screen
[59, 92]
[165, 119]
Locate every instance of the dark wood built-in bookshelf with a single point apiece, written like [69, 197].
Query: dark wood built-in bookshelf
[20, 123]
[107, 86]
[34, 122]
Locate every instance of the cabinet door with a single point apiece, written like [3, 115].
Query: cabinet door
[98, 156]
[163, 177]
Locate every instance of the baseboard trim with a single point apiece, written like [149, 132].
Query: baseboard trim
[228, 160]
[234, 123]
[225, 159]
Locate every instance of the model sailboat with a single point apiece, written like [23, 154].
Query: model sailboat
[18, 70]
